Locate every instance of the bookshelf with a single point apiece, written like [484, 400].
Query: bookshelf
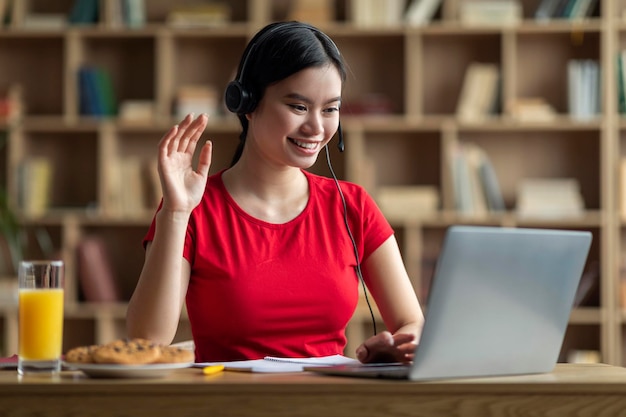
[405, 143]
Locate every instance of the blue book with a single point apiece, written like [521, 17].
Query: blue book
[84, 12]
[90, 102]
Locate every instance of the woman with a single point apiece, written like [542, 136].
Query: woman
[269, 264]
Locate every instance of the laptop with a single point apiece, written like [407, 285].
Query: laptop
[499, 304]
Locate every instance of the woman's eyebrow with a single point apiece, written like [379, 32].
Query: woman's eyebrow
[296, 96]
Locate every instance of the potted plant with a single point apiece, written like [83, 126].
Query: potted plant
[10, 239]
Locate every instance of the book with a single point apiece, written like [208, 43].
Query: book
[371, 13]
[96, 95]
[272, 364]
[95, 271]
[559, 12]
[90, 102]
[474, 159]
[491, 12]
[583, 80]
[134, 12]
[546, 9]
[35, 179]
[475, 187]
[84, 12]
[421, 12]
[127, 189]
[201, 15]
[44, 21]
[104, 91]
[461, 181]
[480, 92]
[490, 184]
[532, 109]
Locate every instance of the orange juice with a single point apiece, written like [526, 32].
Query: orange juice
[40, 323]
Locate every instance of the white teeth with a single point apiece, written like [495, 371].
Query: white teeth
[306, 145]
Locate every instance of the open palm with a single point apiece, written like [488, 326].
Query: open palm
[182, 185]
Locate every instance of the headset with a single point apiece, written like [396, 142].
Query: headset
[240, 100]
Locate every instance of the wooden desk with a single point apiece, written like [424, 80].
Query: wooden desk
[571, 390]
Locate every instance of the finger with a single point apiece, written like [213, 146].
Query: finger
[189, 141]
[408, 347]
[362, 353]
[204, 161]
[401, 338]
[182, 129]
[166, 140]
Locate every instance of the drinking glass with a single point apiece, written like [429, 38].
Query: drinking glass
[40, 318]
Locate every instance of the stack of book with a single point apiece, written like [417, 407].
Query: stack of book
[550, 198]
[475, 187]
[583, 77]
[565, 9]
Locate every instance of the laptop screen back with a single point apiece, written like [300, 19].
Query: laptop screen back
[500, 301]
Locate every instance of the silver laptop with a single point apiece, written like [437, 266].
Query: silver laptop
[499, 304]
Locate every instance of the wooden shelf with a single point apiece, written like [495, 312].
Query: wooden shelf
[418, 70]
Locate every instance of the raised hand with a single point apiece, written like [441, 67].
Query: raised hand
[182, 185]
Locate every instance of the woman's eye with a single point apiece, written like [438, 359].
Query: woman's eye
[331, 109]
[298, 107]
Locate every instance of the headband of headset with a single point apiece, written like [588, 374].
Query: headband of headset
[237, 97]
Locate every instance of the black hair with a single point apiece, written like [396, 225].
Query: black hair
[285, 48]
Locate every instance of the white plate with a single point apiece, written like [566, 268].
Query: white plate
[101, 370]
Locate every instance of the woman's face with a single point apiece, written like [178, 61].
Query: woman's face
[296, 117]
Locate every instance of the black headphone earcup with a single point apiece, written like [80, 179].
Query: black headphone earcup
[238, 100]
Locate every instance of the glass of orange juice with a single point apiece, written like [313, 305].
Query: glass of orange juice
[40, 316]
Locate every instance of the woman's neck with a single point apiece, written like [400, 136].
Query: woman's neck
[269, 194]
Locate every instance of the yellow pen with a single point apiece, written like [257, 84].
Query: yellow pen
[213, 369]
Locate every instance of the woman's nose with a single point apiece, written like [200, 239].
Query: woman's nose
[313, 125]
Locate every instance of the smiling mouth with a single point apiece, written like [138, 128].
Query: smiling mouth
[304, 145]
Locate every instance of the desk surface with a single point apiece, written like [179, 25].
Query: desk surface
[570, 390]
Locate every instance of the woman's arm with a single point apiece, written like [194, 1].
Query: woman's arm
[154, 309]
[388, 282]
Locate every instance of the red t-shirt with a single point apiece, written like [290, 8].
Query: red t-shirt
[259, 288]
